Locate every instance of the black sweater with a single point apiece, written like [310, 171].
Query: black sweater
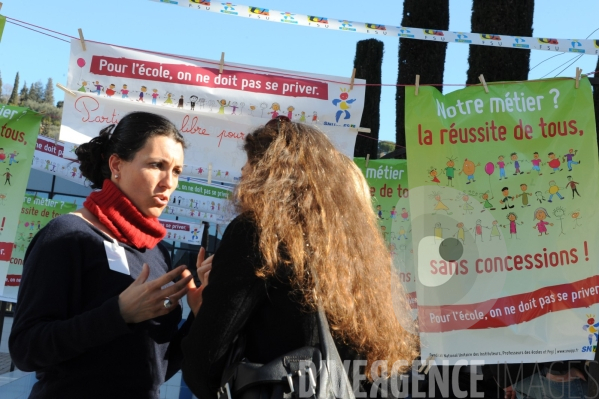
[68, 327]
[237, 300]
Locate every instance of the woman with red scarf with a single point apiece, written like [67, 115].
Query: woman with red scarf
[98, 312]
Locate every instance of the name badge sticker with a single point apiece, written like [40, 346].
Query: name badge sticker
[117, 259]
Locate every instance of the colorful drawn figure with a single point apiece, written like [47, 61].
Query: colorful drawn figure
[393, 213]
[314, 117]
[125, 92]
[559, 213]
[192, 102]
[222, 104]
[487, 204]
[513, 218]
[181, 102]
[467, 207]
[7, 175]
[469, 168]
[506, 198]
[460, 234]
[495, 231]
[591, 327]
[553, 190]
[478, 230]
[569, 158]
[401, 233]
[514, 158]
[572, 184]
[302, 118]
[234, 106]
[155, 96]
[379, 212]
[433, 174]
[141, 93]
[2, 198]
[111, 90]
[536, 163]
[275, 110]
[439, 231]
[540, 215]
[404, 214]
[440, 206]
[343, 103]
[98, 89]
[392, 249]
[11, 157]
[501, 166]
[290, 110]
[554, 163]
[524, 195]
[450, 171]
[83, 88]
[252, 109]
[74, 172]
[169, 99]
[385, 233]
[194, 234]
[576, 215]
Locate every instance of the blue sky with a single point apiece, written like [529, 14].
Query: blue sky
[159, 27]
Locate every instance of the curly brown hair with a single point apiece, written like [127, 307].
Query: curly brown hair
[314, 215]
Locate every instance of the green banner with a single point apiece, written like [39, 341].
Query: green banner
[388, 182]
[503, 191]
[19, 128]
[2, 24]
[35, 214]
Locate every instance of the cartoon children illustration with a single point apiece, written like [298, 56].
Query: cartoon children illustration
[439, 231]
[540, 197]
[559, 213]
[460, 234]
[478, 230]
[290, 110]
[8, 175]
[393, 213]
[401, 233]
[343, 103]
[222, 104]
[554, 163]
[263, 106]
[569, 158]
[404, 214]
[487, 204]
[468, 168]
[467, 207]
[314, 117]
[124, 92]
[11, 157]
[524, 195]
[536, 163]
[439, 206]
[155, 96]
[111, 90]
[169, 99]
[202, 102]
[540, 215]
[433, 174]
[572, 184]
[275, 110]
[181, 102]
[2, 155]
[83, 88]
[576, 216]
[514, 158]
[379, 212]
[302, 118]
[494, 231]
[506, 198]
[513, 218]
[99, 88]
[234, 106]
[450, 171]
[501, 166]
[553, 190]
[192, 102]
[141, 93]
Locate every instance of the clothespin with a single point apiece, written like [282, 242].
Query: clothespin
[353, 77]
[427, 363]
[578, 72]
[367, 160]
[210, 172]
[363, 130]
[82, 39]
[69, 91]
[222, 63]
[482, 80]
[417, 85]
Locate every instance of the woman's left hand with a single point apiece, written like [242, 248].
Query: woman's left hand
[194, 295]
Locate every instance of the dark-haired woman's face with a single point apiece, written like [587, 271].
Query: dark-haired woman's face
[151, 176]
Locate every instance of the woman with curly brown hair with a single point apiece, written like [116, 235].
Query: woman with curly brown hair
[306, 234]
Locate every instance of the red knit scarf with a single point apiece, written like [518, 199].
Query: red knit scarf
[115, 211]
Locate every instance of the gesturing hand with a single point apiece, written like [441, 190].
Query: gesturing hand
[145, 300]
[194, 295]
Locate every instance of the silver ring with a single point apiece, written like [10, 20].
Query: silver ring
[168, 303]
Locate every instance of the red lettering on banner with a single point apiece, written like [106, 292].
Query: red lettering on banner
[208, 77]
[13, 280]
[229, 135]
[509, 310]
[5, 251]
[192, 128]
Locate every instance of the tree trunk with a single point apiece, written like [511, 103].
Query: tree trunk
[368, 62]
[419, 57]
[509, 17]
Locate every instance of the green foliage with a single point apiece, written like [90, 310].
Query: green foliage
[36, 92]
[49, 92]
[52, 117]
[385, 147]
[14, 96]
[24, 94]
